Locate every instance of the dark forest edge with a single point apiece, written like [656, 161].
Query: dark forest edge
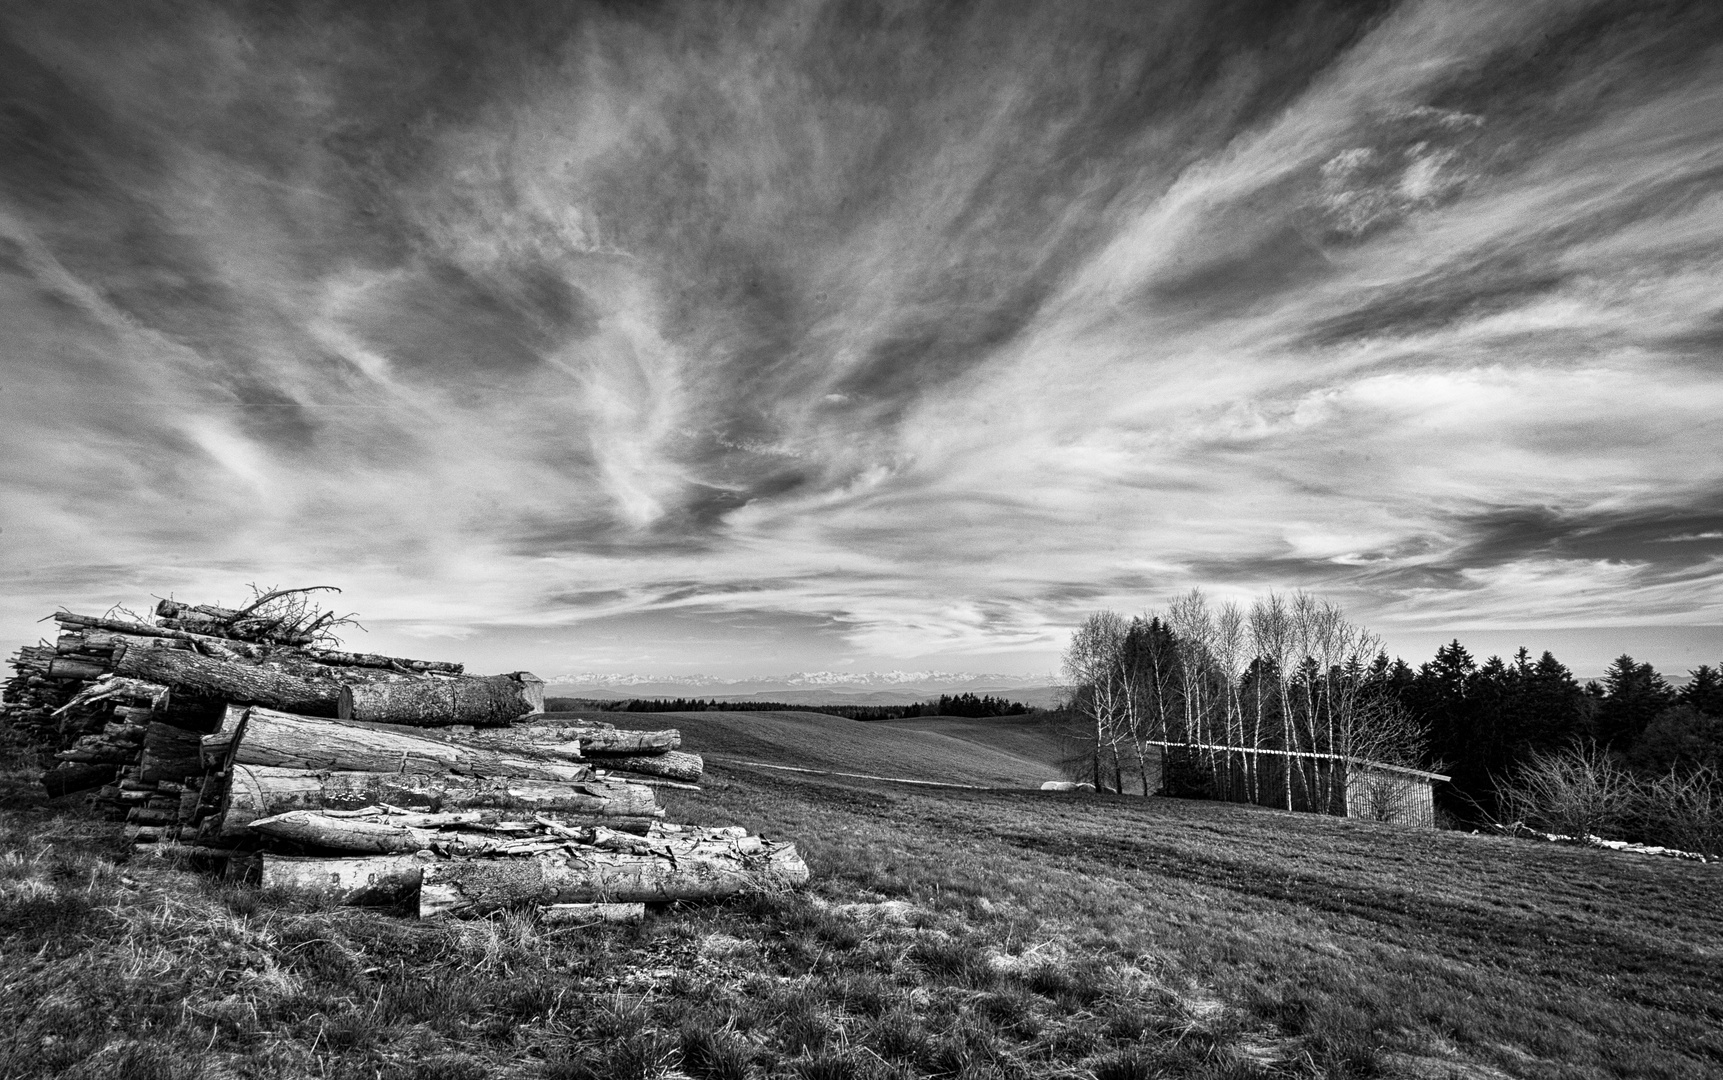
[965, 705]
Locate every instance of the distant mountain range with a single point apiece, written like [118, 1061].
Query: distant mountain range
[809, 687]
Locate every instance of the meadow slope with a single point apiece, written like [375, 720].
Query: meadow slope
[1010, 751]
[947, 933]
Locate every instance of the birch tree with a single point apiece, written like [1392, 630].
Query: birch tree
[1094, 670]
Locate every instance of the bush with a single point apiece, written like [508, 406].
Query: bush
[1685, 812]
[1581, 791]
[1577, 792]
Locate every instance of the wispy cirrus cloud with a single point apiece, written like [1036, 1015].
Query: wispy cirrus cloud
[707, 334]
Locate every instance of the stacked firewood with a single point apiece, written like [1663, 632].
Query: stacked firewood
[232, 733]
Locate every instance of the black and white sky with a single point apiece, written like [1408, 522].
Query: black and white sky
[738, 337]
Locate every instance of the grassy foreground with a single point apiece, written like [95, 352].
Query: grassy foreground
[948, 933]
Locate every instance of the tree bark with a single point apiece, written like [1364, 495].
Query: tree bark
[217, 747]
[169, 753]
[76, 667]
[237, 683]
[268, 737]
[683, 872]
[674, 765]
[383, 879]
[341, 658]
[255, 792]
[144, 630]
[89, 640]
[483, 702]
[460, 834]
[596, 741]
[73, 777]
[100, 749]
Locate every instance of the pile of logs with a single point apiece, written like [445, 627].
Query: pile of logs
[376, 778]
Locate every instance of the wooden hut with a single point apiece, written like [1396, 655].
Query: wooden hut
[1311, 782]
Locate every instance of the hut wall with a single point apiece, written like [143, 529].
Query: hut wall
[1386, 795]
[1318, 786]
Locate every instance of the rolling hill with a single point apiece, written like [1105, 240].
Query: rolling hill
[1012, 751]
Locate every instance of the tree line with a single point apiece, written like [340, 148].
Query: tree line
[1262, 701]
[964, 705]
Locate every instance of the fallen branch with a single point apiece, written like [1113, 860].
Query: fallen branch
[118, 687]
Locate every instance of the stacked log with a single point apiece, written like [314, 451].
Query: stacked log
[123, 702]
[376, 778]
[469, 820]
[383, 813]
[639, 753]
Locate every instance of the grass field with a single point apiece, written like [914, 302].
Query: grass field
[947, 933]
[1012, 751]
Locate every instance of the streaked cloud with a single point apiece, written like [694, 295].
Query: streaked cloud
[694, 336]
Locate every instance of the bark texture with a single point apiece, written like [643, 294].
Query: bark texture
[342, 658]
[460, 834]
[383, 879]
[246, 684]
[144, 630]
[268, 737]
[596, 741]
[492, 701]
[673, 765]
[255, 792]
[169, 753]
[92, 640]
[76, 776]
[76, 667]
[687, 871]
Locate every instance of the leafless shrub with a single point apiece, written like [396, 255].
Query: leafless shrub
[1684, 811]
[1578, 791]
[1581, 791]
